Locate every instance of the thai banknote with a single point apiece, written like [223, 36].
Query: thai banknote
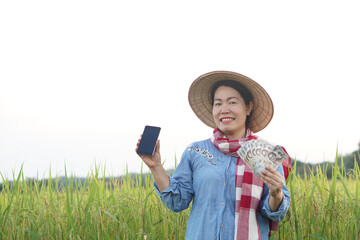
[258, 154]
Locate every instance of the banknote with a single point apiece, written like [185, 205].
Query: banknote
[258, 154]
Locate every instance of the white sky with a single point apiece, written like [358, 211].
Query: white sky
[80, 79]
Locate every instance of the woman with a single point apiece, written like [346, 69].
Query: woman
[229, 201]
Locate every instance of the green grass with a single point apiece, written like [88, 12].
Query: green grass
[129, 208]
[322, 208]
[98, 208]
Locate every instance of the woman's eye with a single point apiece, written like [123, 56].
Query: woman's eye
[232, 102]
[217, 104]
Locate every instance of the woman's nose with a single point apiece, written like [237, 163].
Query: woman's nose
[224, 109]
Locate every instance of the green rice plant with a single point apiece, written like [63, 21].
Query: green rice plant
[129, 207]
[322, 208]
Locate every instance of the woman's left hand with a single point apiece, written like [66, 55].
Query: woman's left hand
[275, 181]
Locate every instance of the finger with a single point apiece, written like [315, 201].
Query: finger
[136, 149]
[273, 175]
[267, 180]
[272, 184]
[140, 138]
[268, 172]
[271, 169]
[271, 179]
[137, 145]
[157, 146]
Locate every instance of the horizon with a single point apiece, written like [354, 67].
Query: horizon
[100, 170]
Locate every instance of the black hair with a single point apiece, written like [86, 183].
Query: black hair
[243, 91]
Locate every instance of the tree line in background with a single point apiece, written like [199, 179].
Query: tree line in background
[347, 164]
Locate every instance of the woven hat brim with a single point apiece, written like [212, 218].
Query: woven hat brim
[200, 102]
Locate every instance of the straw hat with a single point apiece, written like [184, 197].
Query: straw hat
[200, 99]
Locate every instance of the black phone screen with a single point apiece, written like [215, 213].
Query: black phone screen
[148, 140]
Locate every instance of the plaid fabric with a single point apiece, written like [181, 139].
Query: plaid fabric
[248, 186]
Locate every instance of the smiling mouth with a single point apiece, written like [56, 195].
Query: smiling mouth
[229, 119]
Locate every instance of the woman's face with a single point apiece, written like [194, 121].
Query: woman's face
[230, 112]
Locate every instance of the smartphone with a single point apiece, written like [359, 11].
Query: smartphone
[148, 140]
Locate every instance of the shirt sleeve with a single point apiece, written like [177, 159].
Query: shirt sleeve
[180, 193]
[280, 214]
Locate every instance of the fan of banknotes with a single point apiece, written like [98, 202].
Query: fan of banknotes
[258, 154]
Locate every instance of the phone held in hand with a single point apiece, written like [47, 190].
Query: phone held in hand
[148, 140]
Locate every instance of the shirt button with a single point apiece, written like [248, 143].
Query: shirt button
[222, 225]
[221, 204]
[224, 183]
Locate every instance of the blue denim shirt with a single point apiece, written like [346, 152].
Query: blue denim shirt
[206, 176]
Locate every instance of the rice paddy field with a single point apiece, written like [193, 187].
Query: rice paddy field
[129, 208]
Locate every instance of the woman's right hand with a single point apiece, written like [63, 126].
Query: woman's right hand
[155, 166]
[151, 161]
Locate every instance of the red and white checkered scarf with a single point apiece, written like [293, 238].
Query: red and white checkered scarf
[248, 187]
